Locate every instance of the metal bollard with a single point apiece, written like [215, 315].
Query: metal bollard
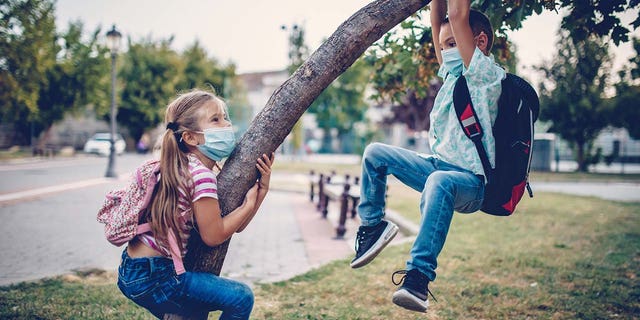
[344, 204]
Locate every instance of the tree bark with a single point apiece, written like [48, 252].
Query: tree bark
[287, 104]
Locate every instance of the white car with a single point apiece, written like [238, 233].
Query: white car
[100, 144]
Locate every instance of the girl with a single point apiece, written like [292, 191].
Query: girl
[198, 135]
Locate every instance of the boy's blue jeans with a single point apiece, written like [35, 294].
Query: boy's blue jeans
[444, 188]
[153, 284]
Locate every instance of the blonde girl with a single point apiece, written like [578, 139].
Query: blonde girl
[198, 135]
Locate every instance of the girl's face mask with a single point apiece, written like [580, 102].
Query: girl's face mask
[452, 60]
[218, 143]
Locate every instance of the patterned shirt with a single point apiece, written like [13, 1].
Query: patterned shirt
[203, 184]
[446, 138]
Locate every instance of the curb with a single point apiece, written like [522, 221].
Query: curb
[406, 226]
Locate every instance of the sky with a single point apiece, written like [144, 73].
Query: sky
[249, 34]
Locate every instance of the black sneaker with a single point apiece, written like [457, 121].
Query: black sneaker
[412, 295]
[371, 240]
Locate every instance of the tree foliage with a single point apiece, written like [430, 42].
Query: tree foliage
[405, 67]
[200, 71]
[298, 49]
[599, 19]
[148, 77]
[152, 73]
[298, 53]
[572, 95]
[405, 64]
[342, 103]
[626, 105]
[77, 79]
[45, 74]
[27, 51]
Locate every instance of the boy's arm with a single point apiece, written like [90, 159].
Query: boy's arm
[438, 14]
[462, 33]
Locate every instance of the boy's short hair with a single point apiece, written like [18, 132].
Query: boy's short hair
[479, 22]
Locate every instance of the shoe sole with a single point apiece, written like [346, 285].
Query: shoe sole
[387, 235]
[405, 299]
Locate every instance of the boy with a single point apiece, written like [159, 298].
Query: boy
[450, 179]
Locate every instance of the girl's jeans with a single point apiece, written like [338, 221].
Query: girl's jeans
[444, 188]
[153, 284]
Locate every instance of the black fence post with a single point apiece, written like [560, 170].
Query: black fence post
[344, 204]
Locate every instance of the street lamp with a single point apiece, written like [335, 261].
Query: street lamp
[113, 43]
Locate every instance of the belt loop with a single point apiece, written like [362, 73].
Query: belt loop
[124, 258]
[151, 265]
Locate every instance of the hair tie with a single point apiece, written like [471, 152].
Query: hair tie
[173, 126]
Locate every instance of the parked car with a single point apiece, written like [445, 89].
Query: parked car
[100, 144]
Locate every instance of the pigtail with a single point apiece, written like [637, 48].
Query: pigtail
[164, 207]
[182, 114]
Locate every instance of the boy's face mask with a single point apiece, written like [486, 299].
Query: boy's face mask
[218, 143]
[452, 60]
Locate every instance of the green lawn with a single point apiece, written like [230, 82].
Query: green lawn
[558, 257]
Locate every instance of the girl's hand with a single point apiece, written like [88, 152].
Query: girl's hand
[252, 195]
[264, 166]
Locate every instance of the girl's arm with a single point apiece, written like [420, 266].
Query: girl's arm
[215, 229]
[264, 166]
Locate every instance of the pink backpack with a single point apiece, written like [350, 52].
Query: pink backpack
[121, 210]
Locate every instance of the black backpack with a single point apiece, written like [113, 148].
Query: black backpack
[518, 109]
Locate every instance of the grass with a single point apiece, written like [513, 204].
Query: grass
[403, 200]
[559, 257]
[14, 153]
[68, 297]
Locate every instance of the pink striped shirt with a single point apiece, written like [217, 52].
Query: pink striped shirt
[203, 184]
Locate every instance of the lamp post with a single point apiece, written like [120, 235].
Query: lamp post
[113, 43]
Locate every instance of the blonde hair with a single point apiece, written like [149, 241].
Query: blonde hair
[182, 114]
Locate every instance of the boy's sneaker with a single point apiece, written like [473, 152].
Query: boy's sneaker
[412, 295]
[371, 240]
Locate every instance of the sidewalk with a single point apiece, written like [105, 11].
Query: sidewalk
[55, 233]
[617, 191]
[286, 238]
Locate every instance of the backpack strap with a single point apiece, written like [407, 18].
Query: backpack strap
[468, 119]
[174, 249]
[176, 255]
[143, 228]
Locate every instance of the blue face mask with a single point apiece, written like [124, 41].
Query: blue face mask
[218, 143]
[452, 60]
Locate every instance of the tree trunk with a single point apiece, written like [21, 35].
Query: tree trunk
[288, 103]
[45, 136]
[581, 158]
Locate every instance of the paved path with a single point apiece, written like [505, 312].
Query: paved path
[619, 191]
[56, 232]
[286, 238]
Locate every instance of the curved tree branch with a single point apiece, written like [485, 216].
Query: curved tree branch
[288, 103]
